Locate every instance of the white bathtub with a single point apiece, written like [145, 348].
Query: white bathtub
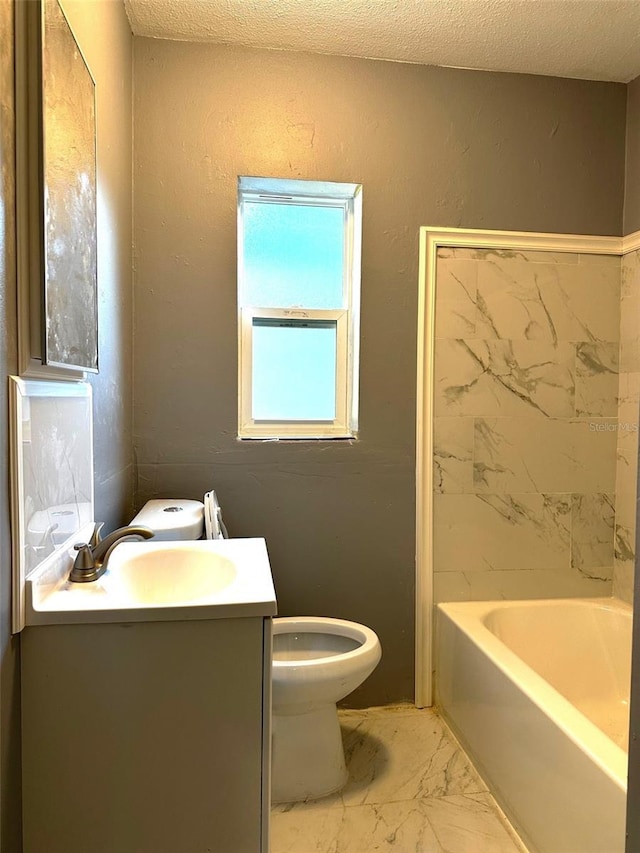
[538, 693]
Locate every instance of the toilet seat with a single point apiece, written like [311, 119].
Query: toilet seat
[365, 642]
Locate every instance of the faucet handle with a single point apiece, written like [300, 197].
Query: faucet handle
[84, 560]
[96, 538]
[84, 568]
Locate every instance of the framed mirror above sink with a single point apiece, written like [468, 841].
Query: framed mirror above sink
[57, 180]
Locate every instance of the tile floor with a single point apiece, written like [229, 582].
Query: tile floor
[411, 789]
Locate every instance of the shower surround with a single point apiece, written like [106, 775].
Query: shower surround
[526, 423]
[627, 451]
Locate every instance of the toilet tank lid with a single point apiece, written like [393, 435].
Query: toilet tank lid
[167, 514]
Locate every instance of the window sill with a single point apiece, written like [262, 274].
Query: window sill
[286, 438]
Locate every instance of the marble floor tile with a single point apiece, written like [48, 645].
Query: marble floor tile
[399, 797]
[404, 754]
[458, 824]
[469, 824]
[403, 757]
[358, 829]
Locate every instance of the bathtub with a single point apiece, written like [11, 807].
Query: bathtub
[538, 694]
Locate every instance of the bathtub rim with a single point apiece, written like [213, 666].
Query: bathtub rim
[468, 616]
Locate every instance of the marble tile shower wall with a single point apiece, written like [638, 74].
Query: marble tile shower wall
[627, 461]
[525, 423]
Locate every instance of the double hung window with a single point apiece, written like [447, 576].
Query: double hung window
[299, 246]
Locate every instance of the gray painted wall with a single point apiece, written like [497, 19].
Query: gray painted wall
[10, 790]
[631, 224]
[632, 188]
[431, 146]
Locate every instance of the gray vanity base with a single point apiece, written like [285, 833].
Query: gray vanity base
[147, 737]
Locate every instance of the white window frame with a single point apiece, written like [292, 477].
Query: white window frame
[346, 319]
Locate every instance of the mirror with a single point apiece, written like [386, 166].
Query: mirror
[56, 182]
[70, 329]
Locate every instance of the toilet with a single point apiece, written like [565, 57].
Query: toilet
[172, 520]
[317, 661]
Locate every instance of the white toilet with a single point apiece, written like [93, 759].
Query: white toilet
[316, 663]
[172, 519]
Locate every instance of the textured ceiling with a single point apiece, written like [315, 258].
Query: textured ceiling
[589, 39]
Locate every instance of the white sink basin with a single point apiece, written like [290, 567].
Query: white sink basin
[159, 581]
[170, 574]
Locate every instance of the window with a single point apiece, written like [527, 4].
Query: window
[298, 300]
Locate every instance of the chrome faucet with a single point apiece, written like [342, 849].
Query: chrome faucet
[93, 556]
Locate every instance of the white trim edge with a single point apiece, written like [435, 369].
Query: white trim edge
[631, 242]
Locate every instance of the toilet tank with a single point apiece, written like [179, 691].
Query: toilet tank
[172, 519]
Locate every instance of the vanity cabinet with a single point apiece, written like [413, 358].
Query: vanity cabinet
[147, 737]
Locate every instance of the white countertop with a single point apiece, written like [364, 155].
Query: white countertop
[247, 589]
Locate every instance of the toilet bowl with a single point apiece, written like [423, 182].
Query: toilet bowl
[316, 663]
